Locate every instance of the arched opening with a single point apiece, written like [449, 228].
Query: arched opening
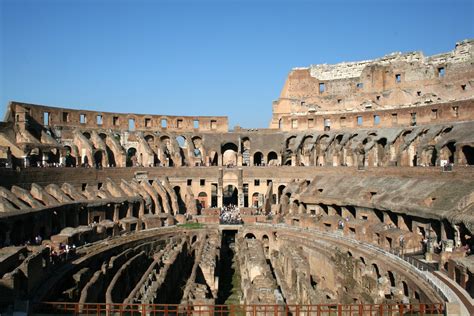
[375, 269]
[229, 154]
[213, 158]
[202, 199]
[35, 157]
[272, 159]
[181, 204]
[150, 139]
[468, 152]
[230, 195]
[266, 244]
[132, 157]
[69, 160]
[245, 151]
[98, 159]
[258, 159]
[280, 191]
[249, 236]
[391, 277]
[452, 149]
[214, 195]
[87, 135]
[406, 292]
[255, 199]
[182, 142]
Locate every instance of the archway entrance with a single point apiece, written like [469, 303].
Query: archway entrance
[229, 155]
[230, 195]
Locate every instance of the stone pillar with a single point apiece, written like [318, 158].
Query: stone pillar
[293, 160]
[116, 212]
[240, 188]
[141, 211]
[130, 209]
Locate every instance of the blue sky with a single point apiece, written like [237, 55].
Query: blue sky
[201, 57]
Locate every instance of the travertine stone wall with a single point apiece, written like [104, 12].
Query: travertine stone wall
[393, 82]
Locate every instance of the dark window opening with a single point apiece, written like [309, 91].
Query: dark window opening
[441, 72]
[463, 87]
[418, 93]
[202, 182]
[327, 124]
[84, 186]
[434, 114]
[377, 97]
[179, 123]
[339, 100]
[190, 181]
[322, 87]
[213, 124]
[147, 122]
[376, 120]
[360, 85]
[256, 182]
[398, 78]
[46, 118]
[65, 117]
[413, 119]
[131, 124]
[115, 121]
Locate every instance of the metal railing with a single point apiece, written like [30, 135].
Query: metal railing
[254, 310]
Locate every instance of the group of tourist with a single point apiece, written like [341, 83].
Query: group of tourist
[230, 214]
[62, 253]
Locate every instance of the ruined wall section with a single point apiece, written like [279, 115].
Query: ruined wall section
[393, 81]
[69, 118]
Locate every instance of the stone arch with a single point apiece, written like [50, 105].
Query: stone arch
[375, 269]
[468, 153]
[181, 203]
[69, 160]
[255, 199]
[34, 157]
[258, 159]
[99, 158]
[182, 141]
[281, 188]
[229, 154]
[132, 159]
[249, 236]
[406, 290]
[202, 198]
[447, 152]
[391, 277]
[230, 195]
[272, 158]
[213, 158]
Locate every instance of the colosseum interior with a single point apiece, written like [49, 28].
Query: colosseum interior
[357, 200]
